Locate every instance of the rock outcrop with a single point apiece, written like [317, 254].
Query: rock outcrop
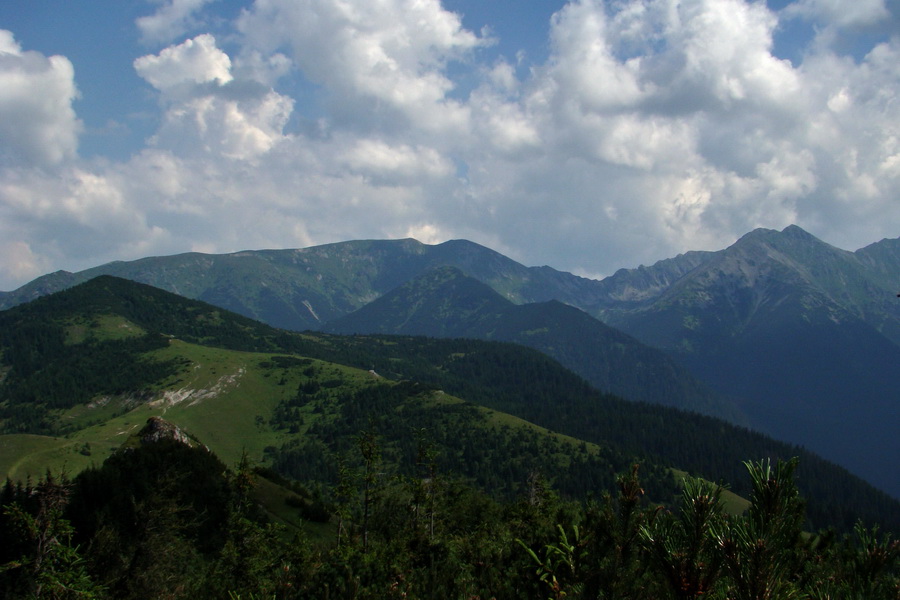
[158, 429]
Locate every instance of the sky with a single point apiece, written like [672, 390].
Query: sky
[587, 135]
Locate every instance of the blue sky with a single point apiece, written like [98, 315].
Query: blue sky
[588, 135]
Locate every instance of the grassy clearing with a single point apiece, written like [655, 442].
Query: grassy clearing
[102, 327]
[734, 504]
[223, 398]
[24, 456]
[77, 451]
[501, 419]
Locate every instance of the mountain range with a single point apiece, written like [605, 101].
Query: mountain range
[84, 369]
[444, 302]
[780, 332]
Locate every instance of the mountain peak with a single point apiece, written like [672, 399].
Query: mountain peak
[796, 231]
[793, 232]
[158, 429]
[792, 241]
[799, 235]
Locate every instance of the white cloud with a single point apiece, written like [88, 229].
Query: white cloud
[667, 126]
[584, 64]
[502, 125]
[266, 70]
[192, 62]
[378, 159]
[379, 57]
[207, 110]
[69, 219]
[838, 13]
[727, 47]
[19, 262]
[76, 196]
[426, 233]
[37, 122]
[172, 19]
[836, 23]
[225, 128]
[8, 44]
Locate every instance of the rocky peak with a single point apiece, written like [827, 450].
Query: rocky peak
[158, 429]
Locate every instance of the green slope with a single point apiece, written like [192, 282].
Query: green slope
[228, 400]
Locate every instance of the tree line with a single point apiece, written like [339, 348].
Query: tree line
[168, 521]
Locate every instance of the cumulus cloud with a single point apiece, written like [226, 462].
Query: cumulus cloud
[225, 128]
[37, 122]
[68, 219]
[837, 24]
[192, 62]
[640, 108]
[172, 19]
[690, 131]
[378, 159]
[378, 57]
[206, 108]
[20, 263]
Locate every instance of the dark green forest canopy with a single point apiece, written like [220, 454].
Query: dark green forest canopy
[164, 520]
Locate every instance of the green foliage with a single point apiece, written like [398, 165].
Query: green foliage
[168, 543]
[761, 549]
[701, 552]
[522, 382]
[682, 548]
[49, 565]
[421, 428]
[865, 565]
[604, 558]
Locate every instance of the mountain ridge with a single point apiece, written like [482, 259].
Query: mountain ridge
[445, 302]
[779, 318]
[801, 332]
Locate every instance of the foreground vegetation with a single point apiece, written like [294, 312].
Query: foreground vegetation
[165, 520]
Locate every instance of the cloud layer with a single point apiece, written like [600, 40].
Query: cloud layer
[37, 123]
[653, 127]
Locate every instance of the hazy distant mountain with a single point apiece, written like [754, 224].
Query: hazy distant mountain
[303, 289]
[804, 333]
[444, 302]
[863, 283]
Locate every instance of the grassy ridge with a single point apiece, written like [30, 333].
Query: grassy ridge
[226, 399]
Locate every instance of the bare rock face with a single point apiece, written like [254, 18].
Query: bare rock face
[158, 429]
